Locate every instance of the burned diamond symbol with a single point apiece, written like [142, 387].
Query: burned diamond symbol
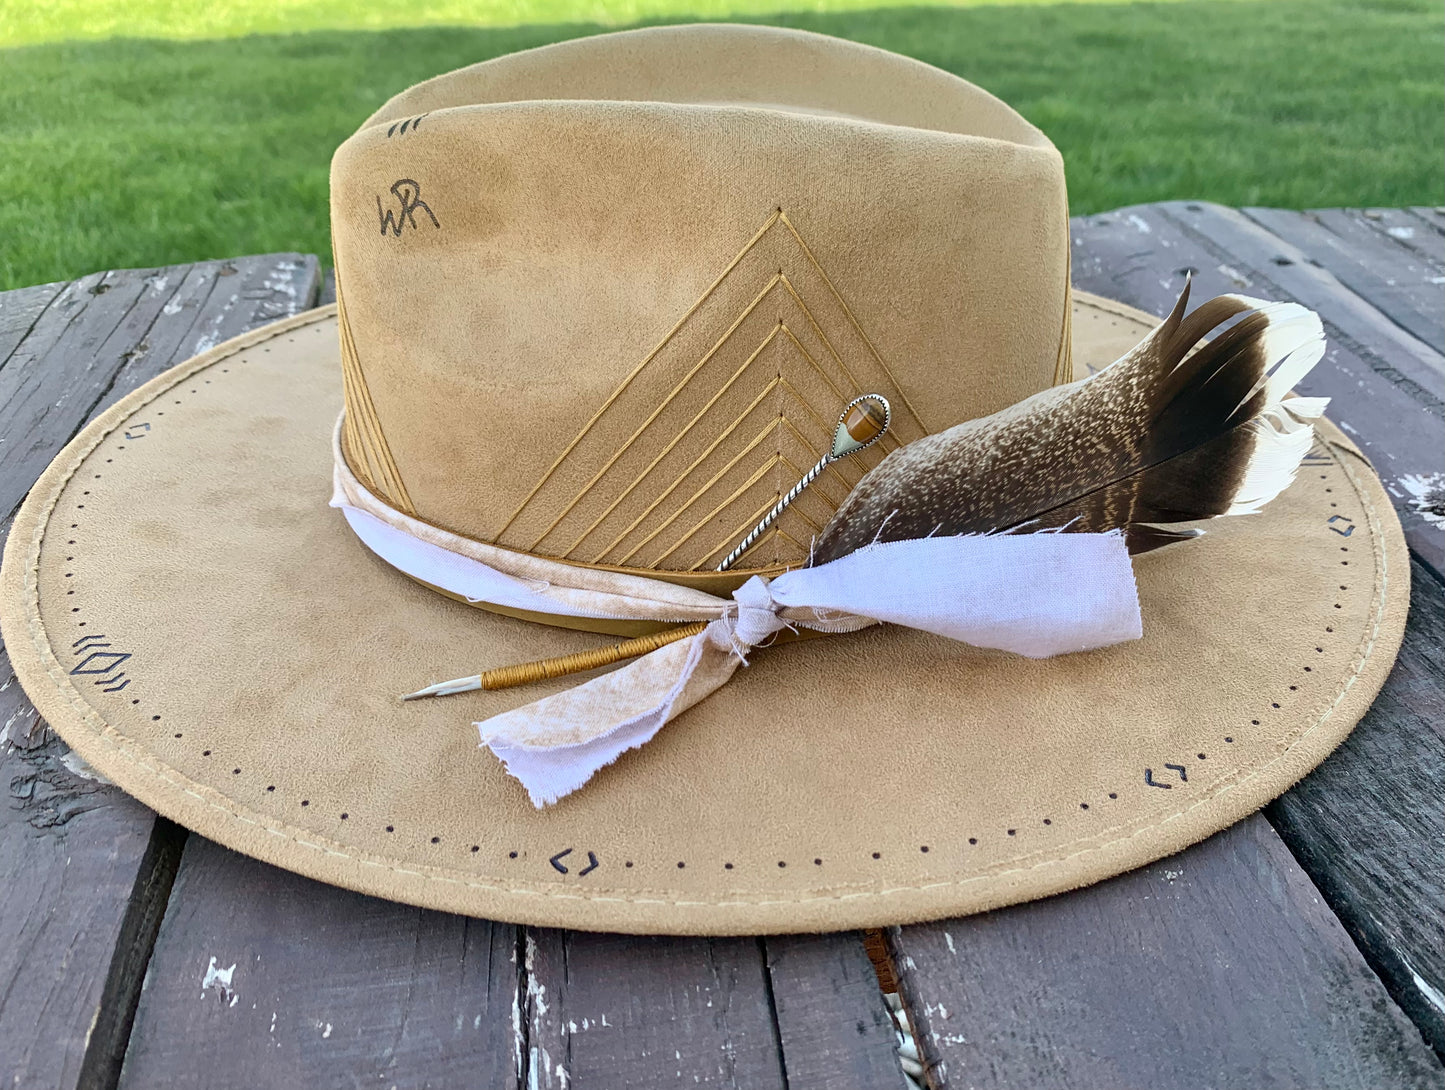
[100, 662]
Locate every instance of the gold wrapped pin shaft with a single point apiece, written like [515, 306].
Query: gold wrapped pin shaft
[506, 677]
[863, 422]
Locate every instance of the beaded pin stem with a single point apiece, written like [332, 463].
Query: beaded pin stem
[863, 422]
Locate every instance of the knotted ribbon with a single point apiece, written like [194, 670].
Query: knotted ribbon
[1037, 595]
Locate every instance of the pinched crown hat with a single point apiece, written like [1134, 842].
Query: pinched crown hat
[600, 307]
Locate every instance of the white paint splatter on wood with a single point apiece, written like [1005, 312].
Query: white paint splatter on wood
[1427, 495]
[532, 1068]
[221, 981]
[536, 990]
[1432, 994]
[518, 1038]
[281, 281]
[78, 766]
[1235, 275]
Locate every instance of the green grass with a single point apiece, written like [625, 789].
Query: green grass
[139, 132]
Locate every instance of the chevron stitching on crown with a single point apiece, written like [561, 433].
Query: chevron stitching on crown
[670, 528]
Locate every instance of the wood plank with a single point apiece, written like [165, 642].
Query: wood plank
[1380, 385]
[262, 978]
[1404, 359]
[645, 1012]
[1435, 216]
[594, 1009]
[1426, 236]
[1401, 283]
[82, 879]
[84, 870]
[1219, 967]
[19, 311]
[1358, 785]
[56, 377]
[836, 1030]
[1369, 828]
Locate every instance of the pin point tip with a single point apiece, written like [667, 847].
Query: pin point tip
[447, 688]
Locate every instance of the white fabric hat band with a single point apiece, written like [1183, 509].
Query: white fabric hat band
[1037, 595]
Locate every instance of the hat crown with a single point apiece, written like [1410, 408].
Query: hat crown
[604, 301]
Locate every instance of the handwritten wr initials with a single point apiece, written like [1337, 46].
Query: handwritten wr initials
[408, 195]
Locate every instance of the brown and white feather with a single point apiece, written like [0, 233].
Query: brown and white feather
[1178, 429]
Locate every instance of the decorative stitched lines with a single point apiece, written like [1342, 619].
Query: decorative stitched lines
[751, 520]
[902, 397]
[626, 382]
[675, 439]
[736, 458]
[1064, 365]
[365, 444]
[711, 425]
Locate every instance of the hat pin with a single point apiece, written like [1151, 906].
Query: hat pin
[863, 422]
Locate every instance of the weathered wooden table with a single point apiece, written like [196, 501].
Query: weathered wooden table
[1305, 947]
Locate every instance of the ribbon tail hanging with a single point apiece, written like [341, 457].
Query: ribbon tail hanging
[1036, 595]
[555, 745]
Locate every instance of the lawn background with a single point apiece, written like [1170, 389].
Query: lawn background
[141, 132]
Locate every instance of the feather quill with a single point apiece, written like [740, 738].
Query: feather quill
[1178, 429]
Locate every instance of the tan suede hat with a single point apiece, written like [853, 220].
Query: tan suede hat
[600, 303]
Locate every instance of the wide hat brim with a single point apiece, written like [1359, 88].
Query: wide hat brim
[186, 611]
